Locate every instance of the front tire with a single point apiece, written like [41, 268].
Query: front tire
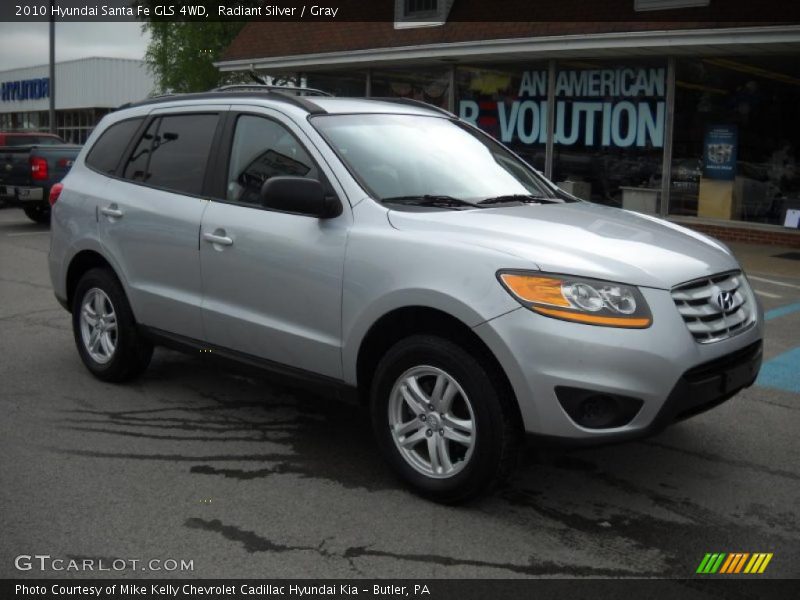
[443, 419]
[37, 214]
[108, 341]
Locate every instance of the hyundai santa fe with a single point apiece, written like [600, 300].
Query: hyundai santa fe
[387, 247]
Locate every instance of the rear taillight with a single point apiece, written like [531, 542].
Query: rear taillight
[38, 168]
[55, 192]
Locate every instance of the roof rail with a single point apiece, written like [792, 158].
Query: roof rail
[246, 91]
[157, 97]
[270, 88]
[419, 103]
[164, 95]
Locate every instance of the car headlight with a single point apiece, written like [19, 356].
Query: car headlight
[578, 299]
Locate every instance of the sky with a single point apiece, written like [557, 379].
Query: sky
[27, 44]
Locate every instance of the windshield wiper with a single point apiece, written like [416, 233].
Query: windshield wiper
[428, 200]
[525, 198]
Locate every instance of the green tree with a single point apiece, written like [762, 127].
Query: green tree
[181, 54]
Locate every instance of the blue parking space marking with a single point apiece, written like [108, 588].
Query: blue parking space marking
[782, 311]
[782, 372]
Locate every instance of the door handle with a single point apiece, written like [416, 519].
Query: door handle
[218, 237]
[112, 211]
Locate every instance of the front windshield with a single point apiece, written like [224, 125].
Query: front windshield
[402, 156]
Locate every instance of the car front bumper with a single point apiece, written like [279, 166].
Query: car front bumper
[662, 366]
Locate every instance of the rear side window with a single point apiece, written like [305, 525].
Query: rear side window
[107, 151]
[173, 152]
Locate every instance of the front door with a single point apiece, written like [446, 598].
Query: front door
[272, 281]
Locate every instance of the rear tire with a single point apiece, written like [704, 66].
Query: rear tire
[479, 432]
[108, 341]
[37, 214]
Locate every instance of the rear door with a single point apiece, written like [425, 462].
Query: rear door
[150, 217]
[273, 288]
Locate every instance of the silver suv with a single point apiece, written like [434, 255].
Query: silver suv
[387, 247]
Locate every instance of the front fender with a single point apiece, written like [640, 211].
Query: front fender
[398, 299]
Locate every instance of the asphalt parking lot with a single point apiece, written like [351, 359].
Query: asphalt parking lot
[247, 479]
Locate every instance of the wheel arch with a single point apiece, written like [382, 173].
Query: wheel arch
[405, 321]
[80, 264]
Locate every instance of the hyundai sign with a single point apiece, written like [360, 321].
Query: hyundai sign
[26, 89]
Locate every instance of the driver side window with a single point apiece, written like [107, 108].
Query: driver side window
[262, 149]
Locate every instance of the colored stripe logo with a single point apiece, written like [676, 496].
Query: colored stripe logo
[734, 563]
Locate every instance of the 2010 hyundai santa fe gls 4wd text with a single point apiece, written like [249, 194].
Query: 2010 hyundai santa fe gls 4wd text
[389, 247]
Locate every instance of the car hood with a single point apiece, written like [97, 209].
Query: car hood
[582, 238]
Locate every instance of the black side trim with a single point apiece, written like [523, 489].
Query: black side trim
[288, 375]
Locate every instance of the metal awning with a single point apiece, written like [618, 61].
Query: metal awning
[686, 42]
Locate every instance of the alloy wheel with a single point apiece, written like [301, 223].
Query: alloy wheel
[98, 323]
[432, 422]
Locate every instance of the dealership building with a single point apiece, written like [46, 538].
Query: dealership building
[712, 105]
[86, 89]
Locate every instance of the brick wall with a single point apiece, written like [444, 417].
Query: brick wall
[727, 233]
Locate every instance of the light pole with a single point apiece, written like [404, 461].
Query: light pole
[52, 86]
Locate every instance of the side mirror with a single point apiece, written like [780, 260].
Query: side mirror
[299, 195]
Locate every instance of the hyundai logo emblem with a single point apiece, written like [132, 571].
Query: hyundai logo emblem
[725, 300]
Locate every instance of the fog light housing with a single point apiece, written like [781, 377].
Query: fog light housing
[591, 409]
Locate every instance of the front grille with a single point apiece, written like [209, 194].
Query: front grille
[715, 308]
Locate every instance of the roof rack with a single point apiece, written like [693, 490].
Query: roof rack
[419, 103]
[270, 88]
[157, 97]
[240, 91]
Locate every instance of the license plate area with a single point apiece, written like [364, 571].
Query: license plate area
[736, 378]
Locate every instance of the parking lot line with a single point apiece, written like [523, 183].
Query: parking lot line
[774, 282]
[767, 294]
[782, 311]
[782, 372]
[21, 233]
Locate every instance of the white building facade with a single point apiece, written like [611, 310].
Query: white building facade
[85, 90]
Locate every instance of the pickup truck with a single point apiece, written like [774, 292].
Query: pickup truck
[30, 164]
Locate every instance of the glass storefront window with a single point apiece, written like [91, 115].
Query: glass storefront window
[736, 137]
[428, 85]
[609, 123]
[609, 131]
[510, 103]
[72, 126]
